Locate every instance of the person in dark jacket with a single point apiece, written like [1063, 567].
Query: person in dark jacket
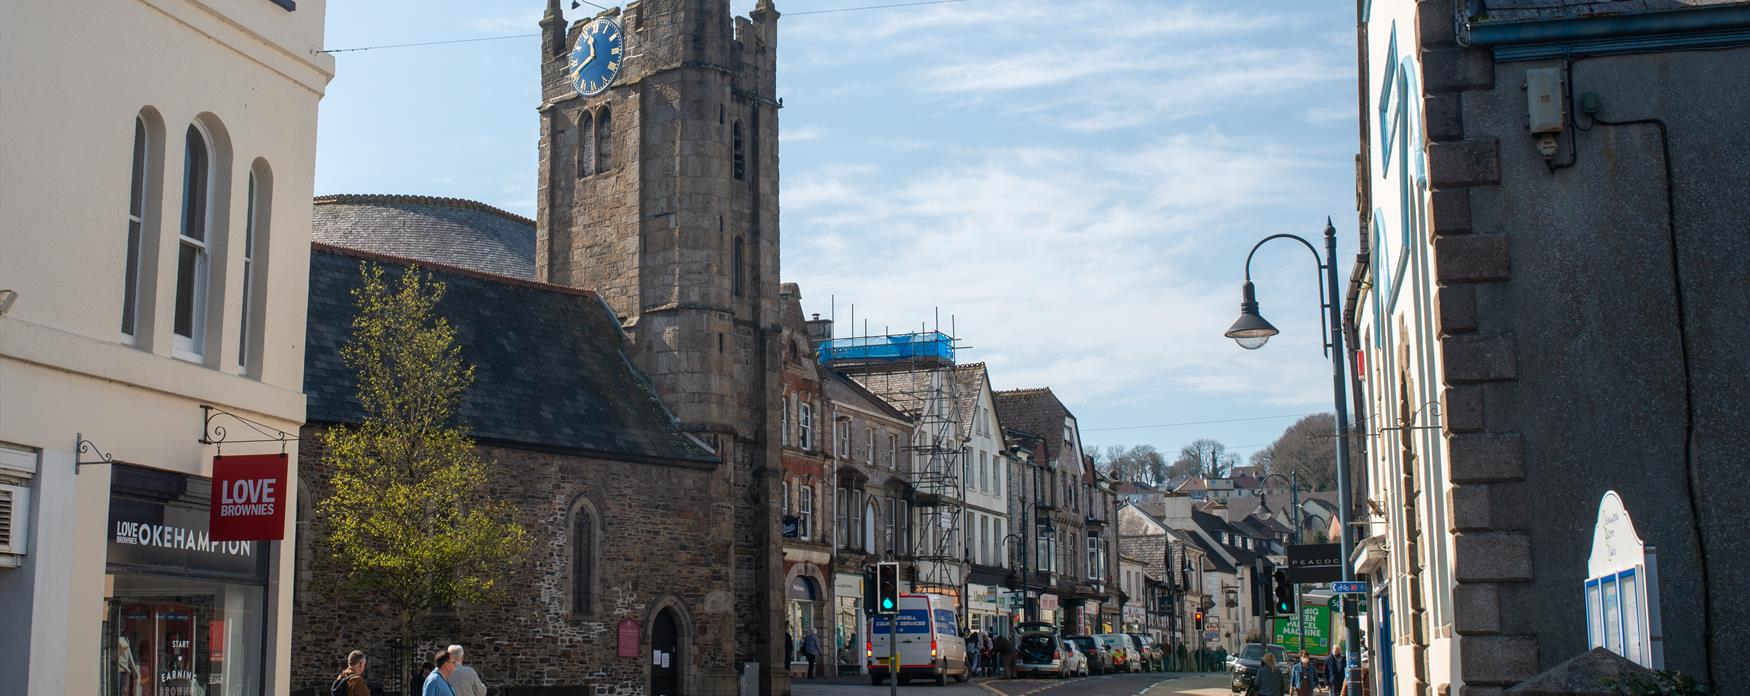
[1334, 673]
[1269, 679]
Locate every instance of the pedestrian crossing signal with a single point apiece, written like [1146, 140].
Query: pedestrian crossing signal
[887, 588]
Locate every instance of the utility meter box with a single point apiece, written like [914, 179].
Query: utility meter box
[1543, 100]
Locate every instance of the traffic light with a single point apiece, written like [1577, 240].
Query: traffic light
[1284, 594]
[1198, 617]
[887, 588]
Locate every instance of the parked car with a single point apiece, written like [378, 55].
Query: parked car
[1149, 652]
[1250, 657]
[1039, 653]
[1124, 657]
[930, 645]
[1075, 662]
[1099, 657]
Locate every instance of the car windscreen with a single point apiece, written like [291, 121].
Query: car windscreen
[1252, 652]
[1087, 642]
[1280, 653]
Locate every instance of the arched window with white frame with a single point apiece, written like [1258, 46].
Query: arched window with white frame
[194, 244]
[252, 301]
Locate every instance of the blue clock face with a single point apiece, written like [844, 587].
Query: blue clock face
[596, 59]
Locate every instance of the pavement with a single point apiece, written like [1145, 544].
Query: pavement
[1144, 684]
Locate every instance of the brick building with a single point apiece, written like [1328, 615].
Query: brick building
[807, 487]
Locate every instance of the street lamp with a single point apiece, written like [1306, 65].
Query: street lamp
[1251, 331]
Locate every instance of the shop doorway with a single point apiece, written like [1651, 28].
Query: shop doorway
[665, 667]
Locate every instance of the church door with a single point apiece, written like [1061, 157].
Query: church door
[665, 668]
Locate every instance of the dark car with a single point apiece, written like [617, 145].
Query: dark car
[1250, 657]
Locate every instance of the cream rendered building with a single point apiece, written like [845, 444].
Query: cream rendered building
[155, 187]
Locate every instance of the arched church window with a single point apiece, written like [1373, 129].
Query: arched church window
[585, 144]
[584, 533]
[604, 140]
[740, 153]
[735, 260]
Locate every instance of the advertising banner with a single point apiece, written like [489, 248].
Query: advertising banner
[1316, 618]
[249, 495]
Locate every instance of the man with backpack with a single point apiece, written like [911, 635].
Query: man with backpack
[351, 682]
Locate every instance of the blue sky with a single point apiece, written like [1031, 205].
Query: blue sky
[1076, 183]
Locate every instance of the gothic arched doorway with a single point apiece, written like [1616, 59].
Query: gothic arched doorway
[665, 668]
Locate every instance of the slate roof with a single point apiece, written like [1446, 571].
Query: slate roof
[448, 231]
[1036, 411]
[549, 374]
[969, 380]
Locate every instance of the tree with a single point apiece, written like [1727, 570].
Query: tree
[1141, 463]
[1204, 458]
[407, 519]
[1306, 448]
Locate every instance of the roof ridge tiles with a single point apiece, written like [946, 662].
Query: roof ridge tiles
[448, 268]
[417, 198]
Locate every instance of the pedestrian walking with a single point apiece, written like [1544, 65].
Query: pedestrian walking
[1334, 672]
[465, 681]
[974, 660]
[438, 682]
[810, 651]
[789, 647]
[1005, 650]
[1269, 679]
[351, 681]
[984, 652]
[1303, 676]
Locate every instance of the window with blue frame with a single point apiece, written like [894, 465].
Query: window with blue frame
[1387, 81]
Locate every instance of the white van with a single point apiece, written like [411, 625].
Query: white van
[930, 645]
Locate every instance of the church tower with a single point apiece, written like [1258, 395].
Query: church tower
[659, 191]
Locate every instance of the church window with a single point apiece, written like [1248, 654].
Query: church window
[740, 152]
[735, 260]
[585, 144]
[805, 508]
[604, 140]
[584, 533]
[136, 226]
[193, 246]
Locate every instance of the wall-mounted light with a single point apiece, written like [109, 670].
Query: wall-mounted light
[7, 296]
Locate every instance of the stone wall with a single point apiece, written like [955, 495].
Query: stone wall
[663, 539]
[1592, 321]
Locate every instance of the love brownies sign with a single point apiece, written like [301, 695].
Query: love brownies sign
[249, 498]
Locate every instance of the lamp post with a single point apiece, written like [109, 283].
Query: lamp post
[1293, 479]
[1028, 613]
[1251, 331]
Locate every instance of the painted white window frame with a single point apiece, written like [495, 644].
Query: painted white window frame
[192, 346]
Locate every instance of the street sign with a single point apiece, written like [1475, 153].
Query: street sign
[1315, 563]
[1336, 603]
[1211, 636]
[1349, 587]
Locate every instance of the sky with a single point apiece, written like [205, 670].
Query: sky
[1072, 186]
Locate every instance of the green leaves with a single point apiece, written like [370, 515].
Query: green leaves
[408, 517]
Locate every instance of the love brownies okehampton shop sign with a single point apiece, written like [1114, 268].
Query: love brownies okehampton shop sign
[249, 498]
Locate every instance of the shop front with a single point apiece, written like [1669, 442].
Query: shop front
[982, 613]
[1049, 609]
[848, 622]
[184, 614]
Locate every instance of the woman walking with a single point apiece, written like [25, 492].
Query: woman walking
[1269, 681]
[1303, 676]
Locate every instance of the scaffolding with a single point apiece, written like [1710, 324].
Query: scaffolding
[915, 373]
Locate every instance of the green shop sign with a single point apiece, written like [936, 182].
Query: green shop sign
[1317, 618]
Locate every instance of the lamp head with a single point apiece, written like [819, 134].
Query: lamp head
[1251, 331]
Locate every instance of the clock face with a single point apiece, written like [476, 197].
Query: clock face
[595, 60]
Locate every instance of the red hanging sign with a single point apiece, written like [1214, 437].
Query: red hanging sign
[628, 638]
[249, 498]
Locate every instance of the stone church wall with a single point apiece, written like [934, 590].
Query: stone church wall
[663, 539]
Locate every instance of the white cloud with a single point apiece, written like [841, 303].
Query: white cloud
[1072, 268]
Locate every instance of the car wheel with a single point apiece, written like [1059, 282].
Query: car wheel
[965, 672]
[941, 676]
